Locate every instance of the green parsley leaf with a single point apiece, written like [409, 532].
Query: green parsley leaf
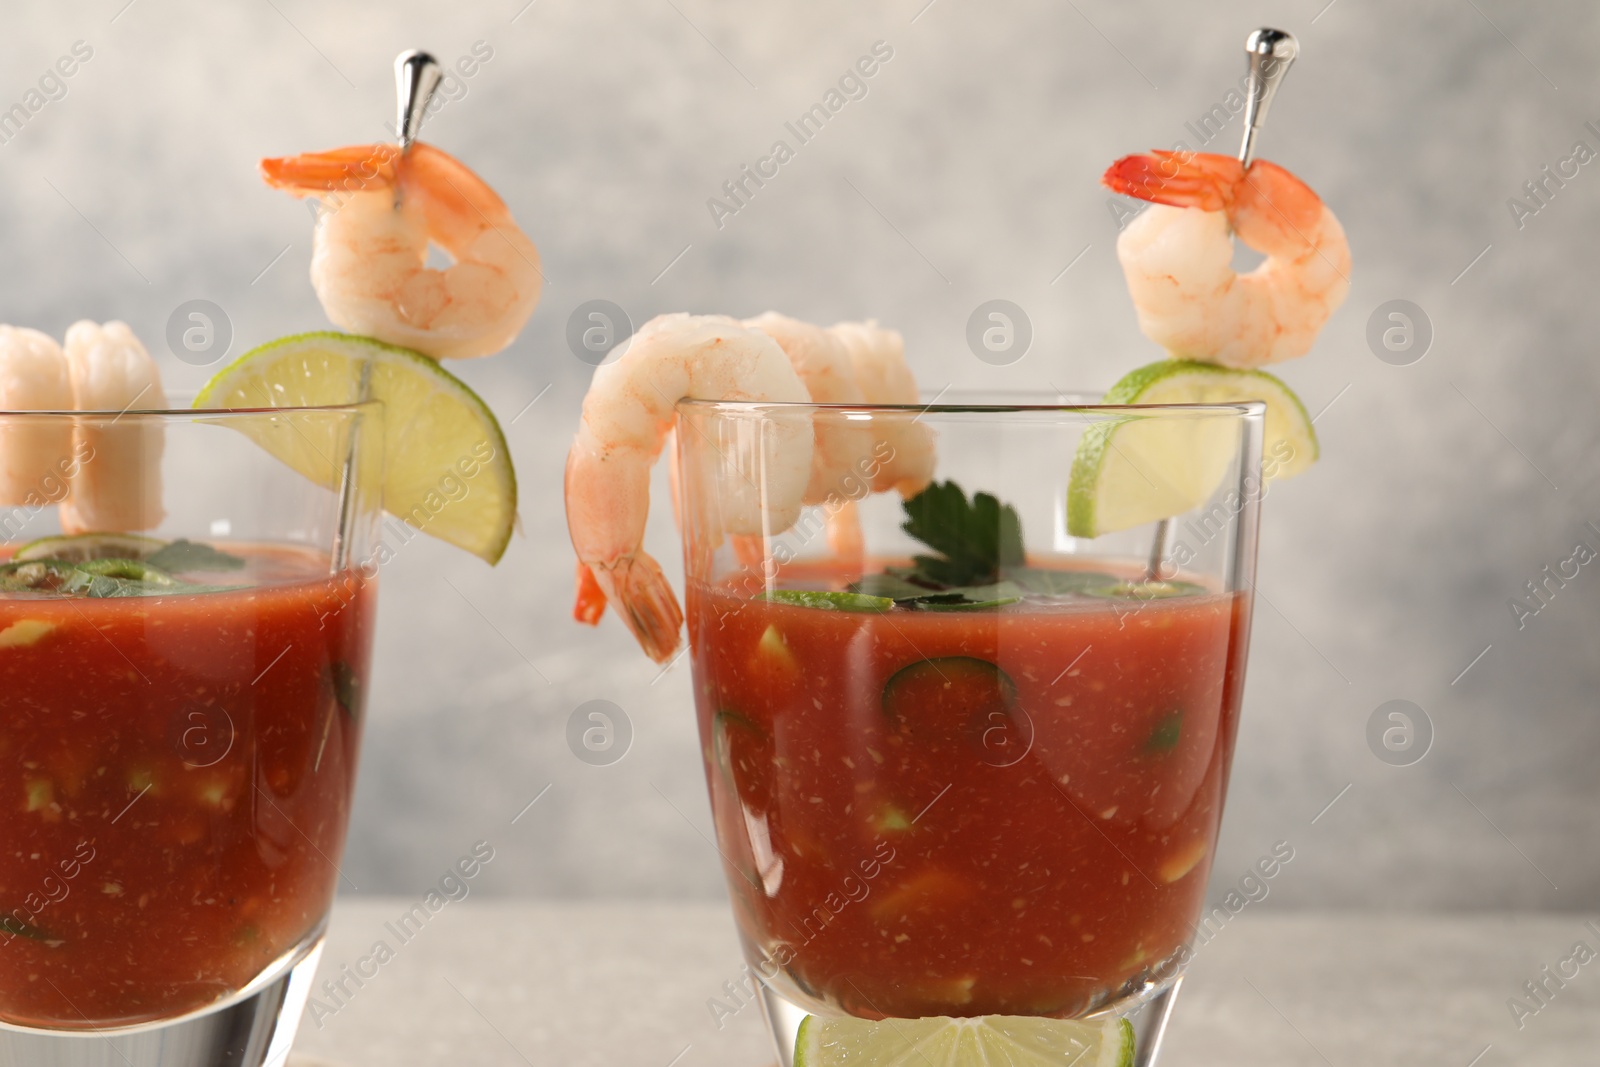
[966, 598]
[975, 539]
[890, 585]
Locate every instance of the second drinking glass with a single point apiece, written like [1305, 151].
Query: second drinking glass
[999, 800]
[183, 693]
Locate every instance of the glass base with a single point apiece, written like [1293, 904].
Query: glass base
[253, 1028]
[1148, 1010]
[1150, 1020]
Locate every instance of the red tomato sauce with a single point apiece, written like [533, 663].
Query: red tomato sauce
[175, 780]
[1003, 811]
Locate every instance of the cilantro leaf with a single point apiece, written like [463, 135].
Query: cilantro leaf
[975, 539]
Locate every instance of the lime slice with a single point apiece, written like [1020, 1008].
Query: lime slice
[1012, 1040]
[447, 470]
[1139, 469]
[827, 600]
[85, 547]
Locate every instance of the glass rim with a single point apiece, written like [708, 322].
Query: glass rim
[1238, 408]
[176, 413]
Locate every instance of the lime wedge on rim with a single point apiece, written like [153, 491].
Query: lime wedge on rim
[1135, 470]
[1014, 1040]
[438, 434]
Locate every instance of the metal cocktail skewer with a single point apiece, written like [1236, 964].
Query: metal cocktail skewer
[416, 78]
[1269, 53]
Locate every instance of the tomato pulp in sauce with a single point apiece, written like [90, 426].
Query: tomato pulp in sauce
[176, 775]
[962, 813]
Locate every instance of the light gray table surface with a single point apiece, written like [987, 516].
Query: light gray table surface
[501, 982]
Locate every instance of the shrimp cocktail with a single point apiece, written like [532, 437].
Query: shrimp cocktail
[968, 674]
[187, 601]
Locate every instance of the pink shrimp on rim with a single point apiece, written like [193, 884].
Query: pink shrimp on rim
[117, 484]
[627, 414]
[34, 376]
[1178, 255]
[112, 468]
[847, 363]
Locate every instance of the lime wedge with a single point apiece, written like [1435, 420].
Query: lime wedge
[1012, 1040]
[85, 547]
[447, 470]
[1139, 469]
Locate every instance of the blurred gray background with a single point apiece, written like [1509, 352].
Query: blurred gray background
[968, 172]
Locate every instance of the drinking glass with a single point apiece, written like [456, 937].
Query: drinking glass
[1007, 808]
[181, 704]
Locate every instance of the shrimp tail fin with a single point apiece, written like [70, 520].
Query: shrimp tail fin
[750, 550]
[646, 603]
[1182, 179]
[845, 539]
[590, 603]
[352, 169]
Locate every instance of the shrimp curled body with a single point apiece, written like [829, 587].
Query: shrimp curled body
[627, 415]
[380, 210]
[1178, 255]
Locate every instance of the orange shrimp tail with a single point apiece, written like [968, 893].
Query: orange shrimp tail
[750, 550]
[645, 601]
[352, 169]
[590, 602]
[845, 539]
[1182, 179]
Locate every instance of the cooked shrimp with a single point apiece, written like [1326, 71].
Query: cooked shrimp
[627, 414]
[380, 210]
[823, 364]
[117, 486]
[878, 358]
[33, 377]
[1178, 256]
